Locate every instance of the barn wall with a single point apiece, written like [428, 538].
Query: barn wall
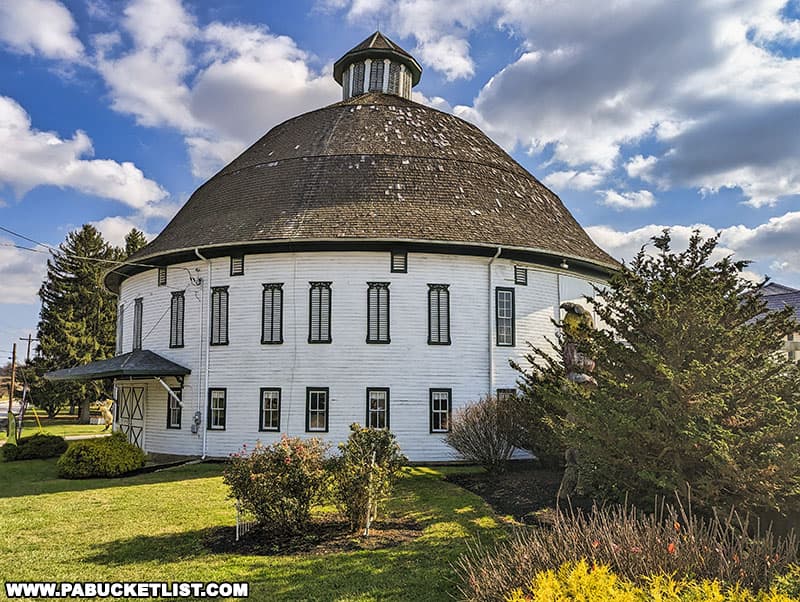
[408, 366]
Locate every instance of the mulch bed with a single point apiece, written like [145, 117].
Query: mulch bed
[325, 536]
[525, 491]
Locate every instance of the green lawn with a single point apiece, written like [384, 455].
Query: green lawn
[63, 426]
[151, 528]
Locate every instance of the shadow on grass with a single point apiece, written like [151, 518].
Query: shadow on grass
[164, 548]
[36, 477]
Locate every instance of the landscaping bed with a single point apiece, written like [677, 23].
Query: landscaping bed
[525, 491]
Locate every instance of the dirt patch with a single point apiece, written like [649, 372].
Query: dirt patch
[525, 491]
[326, 536]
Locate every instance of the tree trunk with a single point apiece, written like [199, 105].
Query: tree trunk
[83, 416]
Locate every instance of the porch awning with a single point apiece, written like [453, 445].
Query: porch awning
[136, 363]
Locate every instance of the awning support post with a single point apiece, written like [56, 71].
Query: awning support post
[170, 392]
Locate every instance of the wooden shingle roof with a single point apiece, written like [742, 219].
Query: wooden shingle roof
[376, 167]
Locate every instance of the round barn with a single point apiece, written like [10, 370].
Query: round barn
[374, 261]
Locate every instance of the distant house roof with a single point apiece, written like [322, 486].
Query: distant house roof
[777, 301]
[773, 288]
[136, 363]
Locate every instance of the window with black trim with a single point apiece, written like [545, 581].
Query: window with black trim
[219, 315]
[237, 265]
[217, 401]
[162, 276]
[505, 394]
[504, 313]
[272, 314]
[269, 418]
[399, 262]
[440, 410]
[176, 312]
[174, 408]
[319, 312]
[137, 323]
[378, 312]
[317, 409]
[120, 327]
[438, 314]
[377, 407]
[520, 275]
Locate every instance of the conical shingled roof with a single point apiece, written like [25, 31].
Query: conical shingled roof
[377, 45]
[376, 167]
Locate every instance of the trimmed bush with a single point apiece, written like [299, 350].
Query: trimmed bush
[110, 456]
[278, 483]
[580, 581]
[35, 446]
[481, 433]
[671, 541]
[364, 472]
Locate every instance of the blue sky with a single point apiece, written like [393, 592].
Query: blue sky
[641, 114]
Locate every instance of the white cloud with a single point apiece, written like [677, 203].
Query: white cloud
[575, 180]
[43, 27]
[639, 166]
[21, 273]
[628, 200]
[773, 245]
[115, 229]
[220, 85]
[31, 158]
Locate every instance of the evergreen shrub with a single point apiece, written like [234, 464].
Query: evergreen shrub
[35, 446]
[111, 456]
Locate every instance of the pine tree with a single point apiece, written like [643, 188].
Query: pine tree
[77, 319]
[692, 387]
[134, 241]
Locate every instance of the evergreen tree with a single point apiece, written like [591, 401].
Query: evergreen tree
[77, 319]
[692, 386]
[134, 241]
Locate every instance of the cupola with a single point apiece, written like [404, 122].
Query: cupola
[377, 65]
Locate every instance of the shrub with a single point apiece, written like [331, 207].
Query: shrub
[278, 483]
[35, 446]
[363, 474]
[580, 581]
[481, 433]
[634, 545]
[110, 456]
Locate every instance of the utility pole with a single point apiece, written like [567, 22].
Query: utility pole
[30, 339]
[11, 389]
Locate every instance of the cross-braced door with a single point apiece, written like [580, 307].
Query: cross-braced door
[130, 413]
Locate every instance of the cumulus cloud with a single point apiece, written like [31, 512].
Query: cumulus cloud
[641, 199]
[21, 273]
[771, 245]
[220, 85]
[31, 158]
[701, 80]
[572, 179]
[115, 229]
[43, 27]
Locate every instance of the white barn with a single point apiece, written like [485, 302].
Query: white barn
[373, 261]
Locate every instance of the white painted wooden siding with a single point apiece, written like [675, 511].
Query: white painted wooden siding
[408, 366]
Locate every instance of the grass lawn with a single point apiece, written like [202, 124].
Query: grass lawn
[63, 426]
[152, 528]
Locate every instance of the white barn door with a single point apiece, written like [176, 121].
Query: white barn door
[130, 412]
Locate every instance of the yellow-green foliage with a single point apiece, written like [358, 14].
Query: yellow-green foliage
[580, 582]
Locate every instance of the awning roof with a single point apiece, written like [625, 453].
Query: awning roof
[136, 363]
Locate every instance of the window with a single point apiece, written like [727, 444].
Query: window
[520, 275]
[378, 312]
[358, 79]
[162, 276]
[504, 311]
[120, 327]
[237, 265]
[319, 309]
[272, 314]
[440, 410]
[219, 315]
[270, 414]
[176, 320]
[174, 409]
[216, 409]
[317, 410]
[376, 76]
[505, 394]
[438, 314]
[378, 408]
[137, 323]
[399, 262]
